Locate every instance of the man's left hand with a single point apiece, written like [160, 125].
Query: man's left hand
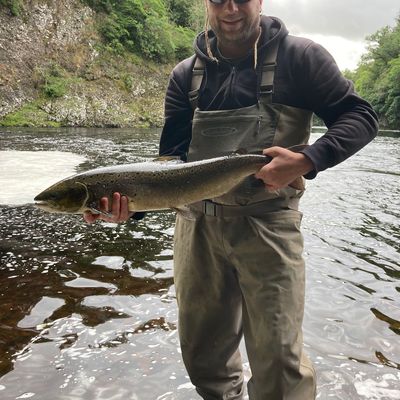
[285, 167]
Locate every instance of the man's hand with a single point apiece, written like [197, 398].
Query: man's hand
[286, 166]
[119, 210]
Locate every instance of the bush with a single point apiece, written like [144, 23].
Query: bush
[99, 5]
[180, 12]
[55, 87]
[14, 6]
[156, 40]
[51, 79]
[144, 27]
[183, 42]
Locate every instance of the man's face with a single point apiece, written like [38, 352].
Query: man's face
[234, 23]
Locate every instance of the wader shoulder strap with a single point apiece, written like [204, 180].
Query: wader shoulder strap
[266, 84]
[197, 77]
[267, 74]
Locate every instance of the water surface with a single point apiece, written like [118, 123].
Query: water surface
[89, 312]
[23, 174]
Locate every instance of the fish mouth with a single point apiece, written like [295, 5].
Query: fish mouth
[41, 200]
[38, 198]
[42, 197]
[45, 204]
[54, 208]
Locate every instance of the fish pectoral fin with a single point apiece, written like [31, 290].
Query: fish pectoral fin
[96, 211]
[298, 183]
[186, 212]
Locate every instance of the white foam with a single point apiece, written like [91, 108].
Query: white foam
[384, 389]
[24, 174]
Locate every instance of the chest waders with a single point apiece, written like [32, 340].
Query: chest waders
[238, 265]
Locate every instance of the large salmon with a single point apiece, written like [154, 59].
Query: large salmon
[153, 185]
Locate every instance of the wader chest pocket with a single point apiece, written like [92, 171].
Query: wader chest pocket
[250, 132]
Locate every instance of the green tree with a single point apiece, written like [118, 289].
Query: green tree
[377, 77]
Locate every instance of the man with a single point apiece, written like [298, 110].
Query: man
[238, 265]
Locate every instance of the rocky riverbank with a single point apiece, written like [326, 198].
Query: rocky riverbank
[54, 71]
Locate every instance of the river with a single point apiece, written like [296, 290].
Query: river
[89, 311]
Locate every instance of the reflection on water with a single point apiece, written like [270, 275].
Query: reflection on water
[89, 312]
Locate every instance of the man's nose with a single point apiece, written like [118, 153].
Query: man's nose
[231, 6]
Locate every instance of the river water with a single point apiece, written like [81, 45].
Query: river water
[89, 312]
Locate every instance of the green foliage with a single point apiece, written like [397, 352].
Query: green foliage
[183, 43]
[127, 81]
[29, 115]
[377, 77]
[99, 5]
[55, 87]
[14, 6]
[52, 80]
[156, 29]
[155, 39]
[180, 11]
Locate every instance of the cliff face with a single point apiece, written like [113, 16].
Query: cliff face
[53, 71]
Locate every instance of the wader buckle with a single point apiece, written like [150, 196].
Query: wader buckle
[210, 208]
[266, 90]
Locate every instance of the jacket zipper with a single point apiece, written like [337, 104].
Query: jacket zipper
[259, 124]
[231, 83]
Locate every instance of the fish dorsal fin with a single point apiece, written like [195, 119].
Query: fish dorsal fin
[169, 159]
[298, 184]
[243, 152]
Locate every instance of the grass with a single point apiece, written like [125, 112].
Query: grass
[30, 115]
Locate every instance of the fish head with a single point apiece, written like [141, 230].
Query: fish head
[64, 197]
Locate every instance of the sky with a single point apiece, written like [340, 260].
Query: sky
[341, 26]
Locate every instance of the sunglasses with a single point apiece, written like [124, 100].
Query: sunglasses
[218, 2]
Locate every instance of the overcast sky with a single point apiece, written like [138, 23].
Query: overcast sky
[339, 25]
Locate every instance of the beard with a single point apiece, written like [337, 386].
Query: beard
[242, 35]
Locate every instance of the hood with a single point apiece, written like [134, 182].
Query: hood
[273, 29]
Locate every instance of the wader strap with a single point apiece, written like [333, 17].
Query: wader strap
[197, 77]
[267, 75]
[266, 84]
[210, 208]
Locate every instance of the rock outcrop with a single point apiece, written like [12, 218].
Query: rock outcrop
[55, 42]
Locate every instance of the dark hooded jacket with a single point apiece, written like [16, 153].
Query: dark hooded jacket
[306, 77]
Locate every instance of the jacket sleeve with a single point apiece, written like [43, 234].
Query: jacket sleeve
[351, 121]
[178, 113]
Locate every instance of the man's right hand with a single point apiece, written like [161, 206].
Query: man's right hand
[118, 210]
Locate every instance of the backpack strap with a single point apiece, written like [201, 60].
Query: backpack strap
[197, 78]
